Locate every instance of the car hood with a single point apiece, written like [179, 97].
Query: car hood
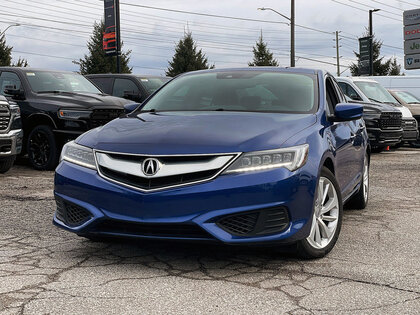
[196, 132]
[81, 100]
[379, 107]
[414, 109]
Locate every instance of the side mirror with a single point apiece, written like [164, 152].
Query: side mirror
[133, 96]
[14, 92]
[130, 107]
[347, 112]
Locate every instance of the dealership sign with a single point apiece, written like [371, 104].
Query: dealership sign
[411, 39]
[109, 39]
[365, 50]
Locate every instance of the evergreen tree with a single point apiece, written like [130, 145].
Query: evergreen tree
[5, 52]
[21, 63]
[187, 58]
[262, 55]
[380, 67]
[97, 61]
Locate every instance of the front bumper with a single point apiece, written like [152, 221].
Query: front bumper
[380, 137]
[11, 143]
[193, 212]
[410, 128]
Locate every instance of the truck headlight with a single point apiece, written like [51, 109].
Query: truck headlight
[291, 158]
[78, 154]
[73, 114]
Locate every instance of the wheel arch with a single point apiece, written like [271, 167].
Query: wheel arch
[38, 119]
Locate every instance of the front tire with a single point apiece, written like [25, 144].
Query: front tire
[42, 148]
[6, 164]
[326, 218]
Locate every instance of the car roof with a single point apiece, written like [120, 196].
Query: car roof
[35, 69]
[266, 69]
[124, 75]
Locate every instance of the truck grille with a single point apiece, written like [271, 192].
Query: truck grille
[390, 120]
[409, 124]
[100, 117]
[4, 116]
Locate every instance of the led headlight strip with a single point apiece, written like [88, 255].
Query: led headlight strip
[78, 154]
[291, 158]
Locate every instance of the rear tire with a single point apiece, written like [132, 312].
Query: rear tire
[6, 164]
[361, 198]
[326, 218]
[42, 148]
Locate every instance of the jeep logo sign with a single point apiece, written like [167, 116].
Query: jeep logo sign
[412, 46]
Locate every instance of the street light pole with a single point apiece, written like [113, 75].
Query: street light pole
[371, 36]
[292, 29]
[292, 34]
[16, 24]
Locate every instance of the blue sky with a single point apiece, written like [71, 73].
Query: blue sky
[152, 34]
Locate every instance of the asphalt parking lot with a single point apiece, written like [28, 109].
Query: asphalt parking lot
[374, 268]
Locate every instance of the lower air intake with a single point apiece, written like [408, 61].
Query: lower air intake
[253, 223]
[70, 213]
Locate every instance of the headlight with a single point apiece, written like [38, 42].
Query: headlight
[73, 114]
[78, 154]
[291, 158]
[15, 110]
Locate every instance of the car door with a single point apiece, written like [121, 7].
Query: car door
[342, 141]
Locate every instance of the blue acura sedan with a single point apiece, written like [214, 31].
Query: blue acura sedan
[236, 156]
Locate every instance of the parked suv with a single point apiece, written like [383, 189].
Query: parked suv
[240, 156]
[130, 86]
[56, 106]
[413, 104]
[383, 121]
[10, 133]
[373, 92]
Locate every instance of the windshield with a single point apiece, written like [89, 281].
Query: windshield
[407, 97]
[152, 84]
[248, 91]
[376, 92]
[45, 81]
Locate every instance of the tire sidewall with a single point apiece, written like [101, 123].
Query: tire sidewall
[305, 249]
[53, 156]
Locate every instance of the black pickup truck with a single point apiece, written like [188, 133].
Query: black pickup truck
[56, 106]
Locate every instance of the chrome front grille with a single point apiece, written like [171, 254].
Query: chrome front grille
[4, 115]
[172, 170]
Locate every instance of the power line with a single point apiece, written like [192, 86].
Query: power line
[371, 7]
[360, 9]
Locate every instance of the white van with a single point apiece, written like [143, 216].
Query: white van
[408, 83]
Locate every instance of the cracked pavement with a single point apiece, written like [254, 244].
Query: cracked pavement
[374, 268]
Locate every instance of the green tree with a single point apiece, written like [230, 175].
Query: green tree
[262, 55]
[380, 66]
[187, 58]
[6, 55]
[96, 61]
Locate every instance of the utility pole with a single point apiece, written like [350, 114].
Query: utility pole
[292, 34]
[337, 46]
[371, 40]
[117, 29]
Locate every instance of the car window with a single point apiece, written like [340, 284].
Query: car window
[257, 91]
[332, 98]
[349, 91]
[152, 84]
[54, 81]
[375, 92]
[124, 85]
[8, 78]
[104, 84]
[407, 97]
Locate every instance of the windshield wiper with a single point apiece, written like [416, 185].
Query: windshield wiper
[413, 103]
[373, 100]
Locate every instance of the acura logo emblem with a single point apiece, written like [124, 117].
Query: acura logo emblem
[150, 166]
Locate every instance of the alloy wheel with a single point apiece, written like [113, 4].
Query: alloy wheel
[326, 212]
[39, 147]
